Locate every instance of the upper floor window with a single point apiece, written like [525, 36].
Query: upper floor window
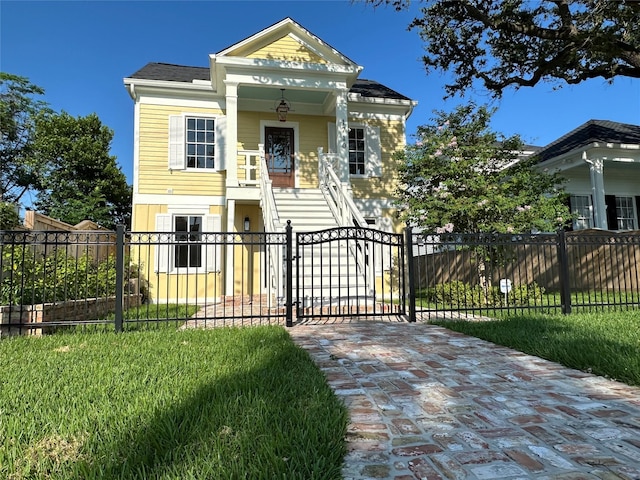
[200, 142]
[364, 149]
[356, 151]
[196, 142]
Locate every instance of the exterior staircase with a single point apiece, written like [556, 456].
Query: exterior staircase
[330, 275]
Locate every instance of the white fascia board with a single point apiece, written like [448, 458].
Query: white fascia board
[382, 110]
[606, 151]
[166, 85]
[358, 98]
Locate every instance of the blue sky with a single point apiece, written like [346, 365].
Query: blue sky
[80, 51]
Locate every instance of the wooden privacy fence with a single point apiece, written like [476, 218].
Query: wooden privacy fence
[593, 259]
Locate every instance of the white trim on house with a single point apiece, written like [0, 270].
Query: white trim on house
[213, 104]
[177, 200]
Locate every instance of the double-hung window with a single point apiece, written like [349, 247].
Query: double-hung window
[625, 213]
[582, 208]
[196, 142]
[200, 142]
[363, 150]
[357, 151]
[188, 247]
[188, 241]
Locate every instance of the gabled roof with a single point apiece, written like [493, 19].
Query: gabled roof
[180, 73]
[604, 131]
[283, 28]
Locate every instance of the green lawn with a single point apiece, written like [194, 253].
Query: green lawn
[166, 404]
[606, 344]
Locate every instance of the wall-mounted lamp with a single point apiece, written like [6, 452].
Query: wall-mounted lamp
[283, 107]
[247, 224]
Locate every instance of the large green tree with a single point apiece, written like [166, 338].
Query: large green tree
[461, 176]
[81, 179]
[519, 43]
[20, 105]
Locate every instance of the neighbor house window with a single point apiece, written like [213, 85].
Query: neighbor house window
[188, 247]
[583, 209]
[357, 149]
[625, 213]
[200, 142]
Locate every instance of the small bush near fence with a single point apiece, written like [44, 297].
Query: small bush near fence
[460, 294]
[28, 278]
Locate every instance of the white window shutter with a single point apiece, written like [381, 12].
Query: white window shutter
[212, 224]
[374, 152]
[176, 142]
[221, 138]
[163, 224]
[333, 144]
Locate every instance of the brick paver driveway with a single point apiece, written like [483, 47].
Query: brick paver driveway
[429, 403]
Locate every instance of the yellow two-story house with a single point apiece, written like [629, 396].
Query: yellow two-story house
[277, 127]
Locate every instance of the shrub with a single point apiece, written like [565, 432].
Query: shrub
[28, 278]
[459, 294]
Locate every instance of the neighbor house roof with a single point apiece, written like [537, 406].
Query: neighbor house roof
[181, 73]
[604, 131]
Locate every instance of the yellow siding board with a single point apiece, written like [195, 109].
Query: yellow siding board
[286, 48]
[154, 176]
[391, 140]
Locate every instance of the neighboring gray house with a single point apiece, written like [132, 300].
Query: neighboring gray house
[601, 162]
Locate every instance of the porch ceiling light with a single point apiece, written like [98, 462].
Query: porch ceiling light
[283, 107]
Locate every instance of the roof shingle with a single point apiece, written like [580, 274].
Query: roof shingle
[605, 131]
[180, 73]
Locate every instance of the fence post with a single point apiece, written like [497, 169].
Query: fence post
[288, 301]
[565, 288]
[119, 276]
[411, 270]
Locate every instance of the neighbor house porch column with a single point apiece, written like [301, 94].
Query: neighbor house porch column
[231, 140]
[596, 167]
[342, 133]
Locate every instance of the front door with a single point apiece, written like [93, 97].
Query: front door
[279, 151]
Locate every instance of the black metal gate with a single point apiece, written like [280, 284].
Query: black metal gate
[349, 271]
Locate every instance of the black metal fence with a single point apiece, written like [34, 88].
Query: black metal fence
[485, 274]
[127, 280]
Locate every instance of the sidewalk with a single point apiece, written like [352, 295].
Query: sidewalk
[429, 403]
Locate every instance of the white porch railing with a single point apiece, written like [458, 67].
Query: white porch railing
[250, 165]
[272, 224]
[340, 199]
[339, 194]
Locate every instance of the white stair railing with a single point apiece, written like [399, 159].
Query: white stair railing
[272, 224]
[340, 199]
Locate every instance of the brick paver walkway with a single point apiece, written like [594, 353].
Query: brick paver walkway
[428, 403]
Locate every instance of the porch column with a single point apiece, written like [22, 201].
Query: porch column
[228, 268]
[342, 134]
[596, 167]
[231, 140]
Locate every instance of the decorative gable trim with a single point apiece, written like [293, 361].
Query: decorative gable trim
[280, 29]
